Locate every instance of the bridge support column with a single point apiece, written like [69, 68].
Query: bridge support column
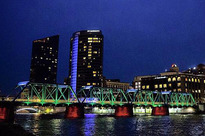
[160, 111]
[74, 111]
[6, 112]
[124, 111]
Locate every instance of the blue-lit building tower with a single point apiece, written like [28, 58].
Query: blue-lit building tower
[86, 59]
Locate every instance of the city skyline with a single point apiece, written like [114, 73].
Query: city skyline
[142, 40]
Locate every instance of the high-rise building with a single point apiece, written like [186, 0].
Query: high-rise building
[86, 59]
[44, 60]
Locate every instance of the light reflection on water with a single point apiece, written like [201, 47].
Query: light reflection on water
[94, 125]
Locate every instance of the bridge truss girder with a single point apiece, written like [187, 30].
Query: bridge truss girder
[40, 93]
[153, 98]
[104, 96]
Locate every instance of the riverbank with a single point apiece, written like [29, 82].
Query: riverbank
[9, 129]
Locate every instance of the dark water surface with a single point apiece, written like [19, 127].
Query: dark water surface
[94, 125]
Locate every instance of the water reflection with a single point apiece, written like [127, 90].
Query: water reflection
[94, 125]
[89, 124]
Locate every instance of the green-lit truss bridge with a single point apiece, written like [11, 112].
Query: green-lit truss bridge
[110, 96]
[62, 95]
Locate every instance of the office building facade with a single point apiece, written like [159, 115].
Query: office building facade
[116, 84]
[86, 59]
[173, 81]
[44, 60]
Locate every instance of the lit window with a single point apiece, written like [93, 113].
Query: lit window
[199, 91]
[49, 67]
[174, 79]
[165, 85]
[147, 87]
[89, 66]
[192, 79]
[41, 57]
[169, 79]
[95, 52]
[89, 54]
[94, 83]
[45, 78]
[84, 47]
[185, 79]
[80, 41]
[179, 90]
[160, 86]
[51, 48]
[189, 80]
[178, 78]
[170, 85]
[84, 57]
[143, 87]
[195, 80]
[88, 83]
[178, 84]
[94, 75]
[94, 72]
[155, 86]
[198, 80]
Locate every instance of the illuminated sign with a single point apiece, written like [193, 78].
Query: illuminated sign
[93, 30]
[160, 77]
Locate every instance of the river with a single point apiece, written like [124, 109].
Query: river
[95, 125]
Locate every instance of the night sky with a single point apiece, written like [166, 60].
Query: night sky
[141, 37]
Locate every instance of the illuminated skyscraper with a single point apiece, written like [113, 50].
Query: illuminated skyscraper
[44, 60]
[86, 59]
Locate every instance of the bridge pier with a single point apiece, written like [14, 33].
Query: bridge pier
[160, 111]
[124, 111]
[74, 111]
[6, 112]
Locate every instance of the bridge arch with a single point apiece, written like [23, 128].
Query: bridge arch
[27, 110]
